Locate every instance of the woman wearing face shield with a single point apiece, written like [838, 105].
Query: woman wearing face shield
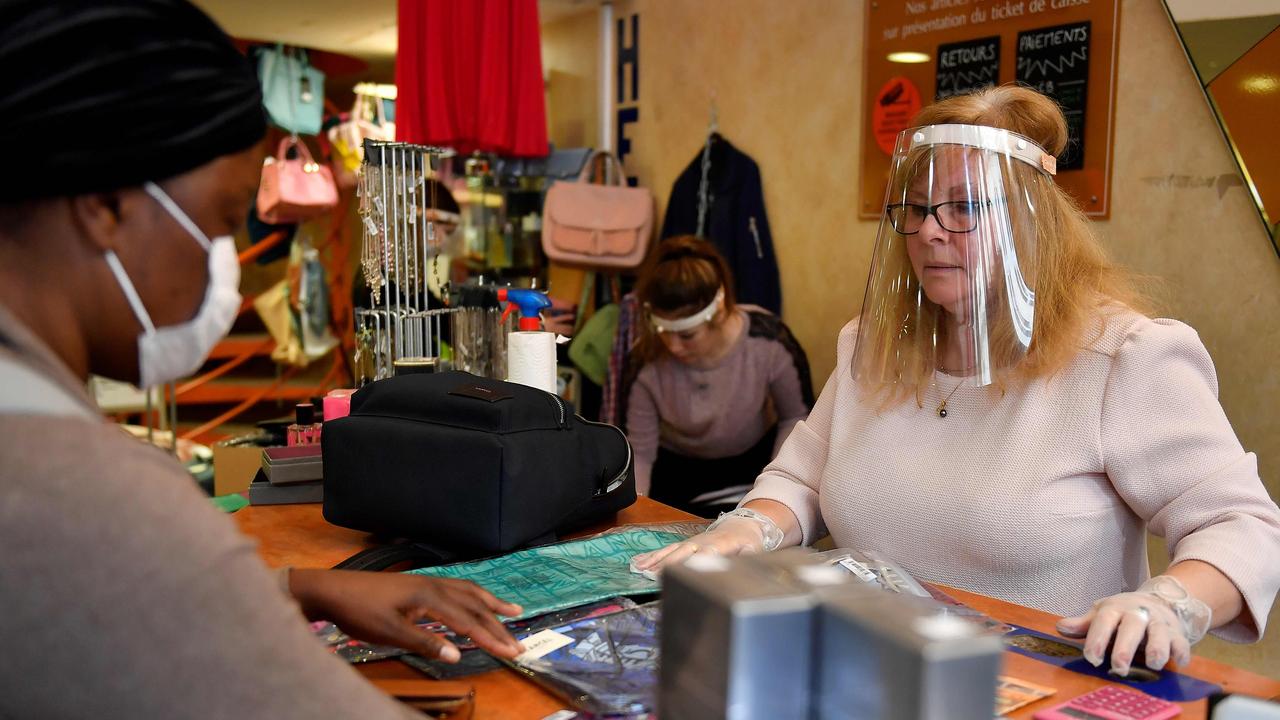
[1004, 418]
[134, 135]
[714, 388]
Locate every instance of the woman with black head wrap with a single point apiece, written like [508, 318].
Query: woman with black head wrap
[132, 130]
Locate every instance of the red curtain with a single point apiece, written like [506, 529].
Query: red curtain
[469, 76]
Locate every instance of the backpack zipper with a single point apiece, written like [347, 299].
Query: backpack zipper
[559, 405]
[621, 477]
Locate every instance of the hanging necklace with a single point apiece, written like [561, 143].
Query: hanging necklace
[442, 287]
[942, 406]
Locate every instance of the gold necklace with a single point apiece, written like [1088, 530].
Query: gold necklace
[942, 406]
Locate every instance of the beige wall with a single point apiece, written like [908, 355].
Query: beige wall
[570, 63]
[788, 77]
[1171, 219]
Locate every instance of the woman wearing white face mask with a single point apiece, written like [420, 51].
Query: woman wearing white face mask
[176, 351]
[115, 570]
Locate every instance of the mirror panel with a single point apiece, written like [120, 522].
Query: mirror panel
[1234, 46]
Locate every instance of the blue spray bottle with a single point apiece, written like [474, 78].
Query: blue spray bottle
[530, 304]
[531, 351]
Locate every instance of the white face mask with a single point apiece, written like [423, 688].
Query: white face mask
[176, 351]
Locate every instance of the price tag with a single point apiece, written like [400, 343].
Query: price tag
[862, 571]
[542, 643]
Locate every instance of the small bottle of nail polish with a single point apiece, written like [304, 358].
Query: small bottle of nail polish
[304, 430]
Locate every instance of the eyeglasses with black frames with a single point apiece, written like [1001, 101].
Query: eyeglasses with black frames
[957, 216]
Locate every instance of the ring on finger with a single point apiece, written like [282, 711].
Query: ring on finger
[1143, 613]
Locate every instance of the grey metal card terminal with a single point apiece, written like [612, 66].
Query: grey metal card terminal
[735, 643]
[891, 656]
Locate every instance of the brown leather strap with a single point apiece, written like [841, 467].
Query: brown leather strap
[423, 689]
[444, 699]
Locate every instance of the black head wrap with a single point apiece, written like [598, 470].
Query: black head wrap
[97, 95]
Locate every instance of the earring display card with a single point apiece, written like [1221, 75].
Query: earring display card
[609, 667]
[1013, 693]
[347, 647]
[475, 661]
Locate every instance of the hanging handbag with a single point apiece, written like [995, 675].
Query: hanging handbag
[276, 314]
[312, 302]
[294, 189]
[292, 90]
[566, 163]
[597, 225]
[348, 137]
[295, 310]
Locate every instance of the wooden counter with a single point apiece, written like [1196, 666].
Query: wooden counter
[297, 536]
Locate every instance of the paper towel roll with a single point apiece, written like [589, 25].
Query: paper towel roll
[531, 359]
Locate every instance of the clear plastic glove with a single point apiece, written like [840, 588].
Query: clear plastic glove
[733, 536]
[1161, 611]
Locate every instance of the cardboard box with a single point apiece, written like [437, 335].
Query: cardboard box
[235, 461]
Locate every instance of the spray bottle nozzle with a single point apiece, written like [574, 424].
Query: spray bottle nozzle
[530, 303]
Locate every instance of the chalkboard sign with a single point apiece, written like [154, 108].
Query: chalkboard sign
[967, 66]
[1055, 61]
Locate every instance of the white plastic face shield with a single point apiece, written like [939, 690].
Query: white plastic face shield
[689, 322]
[952, 282]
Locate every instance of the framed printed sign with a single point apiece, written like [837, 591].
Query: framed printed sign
[919, 51]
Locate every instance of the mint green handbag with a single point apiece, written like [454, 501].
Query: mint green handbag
[292, 90]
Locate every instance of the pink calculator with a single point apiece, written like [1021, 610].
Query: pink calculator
[1111, 703]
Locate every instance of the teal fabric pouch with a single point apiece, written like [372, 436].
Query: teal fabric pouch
[564, 575]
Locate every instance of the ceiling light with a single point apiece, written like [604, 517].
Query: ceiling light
[907, 56]
[1262, 84]
[376, 90]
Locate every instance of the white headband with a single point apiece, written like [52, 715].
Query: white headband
[690, 322]
[986, 138]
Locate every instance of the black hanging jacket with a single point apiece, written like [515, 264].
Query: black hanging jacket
[736, 221]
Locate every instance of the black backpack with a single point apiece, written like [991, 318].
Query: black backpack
[470, 464]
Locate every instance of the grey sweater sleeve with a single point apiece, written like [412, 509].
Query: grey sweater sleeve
[125, 594]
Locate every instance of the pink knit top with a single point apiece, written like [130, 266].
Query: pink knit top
[1042, 496]
[719, 411]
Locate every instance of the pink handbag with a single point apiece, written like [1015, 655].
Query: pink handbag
[295, 189]
[597, 225]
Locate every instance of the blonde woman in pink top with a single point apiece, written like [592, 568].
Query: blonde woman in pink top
[1004, 417]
